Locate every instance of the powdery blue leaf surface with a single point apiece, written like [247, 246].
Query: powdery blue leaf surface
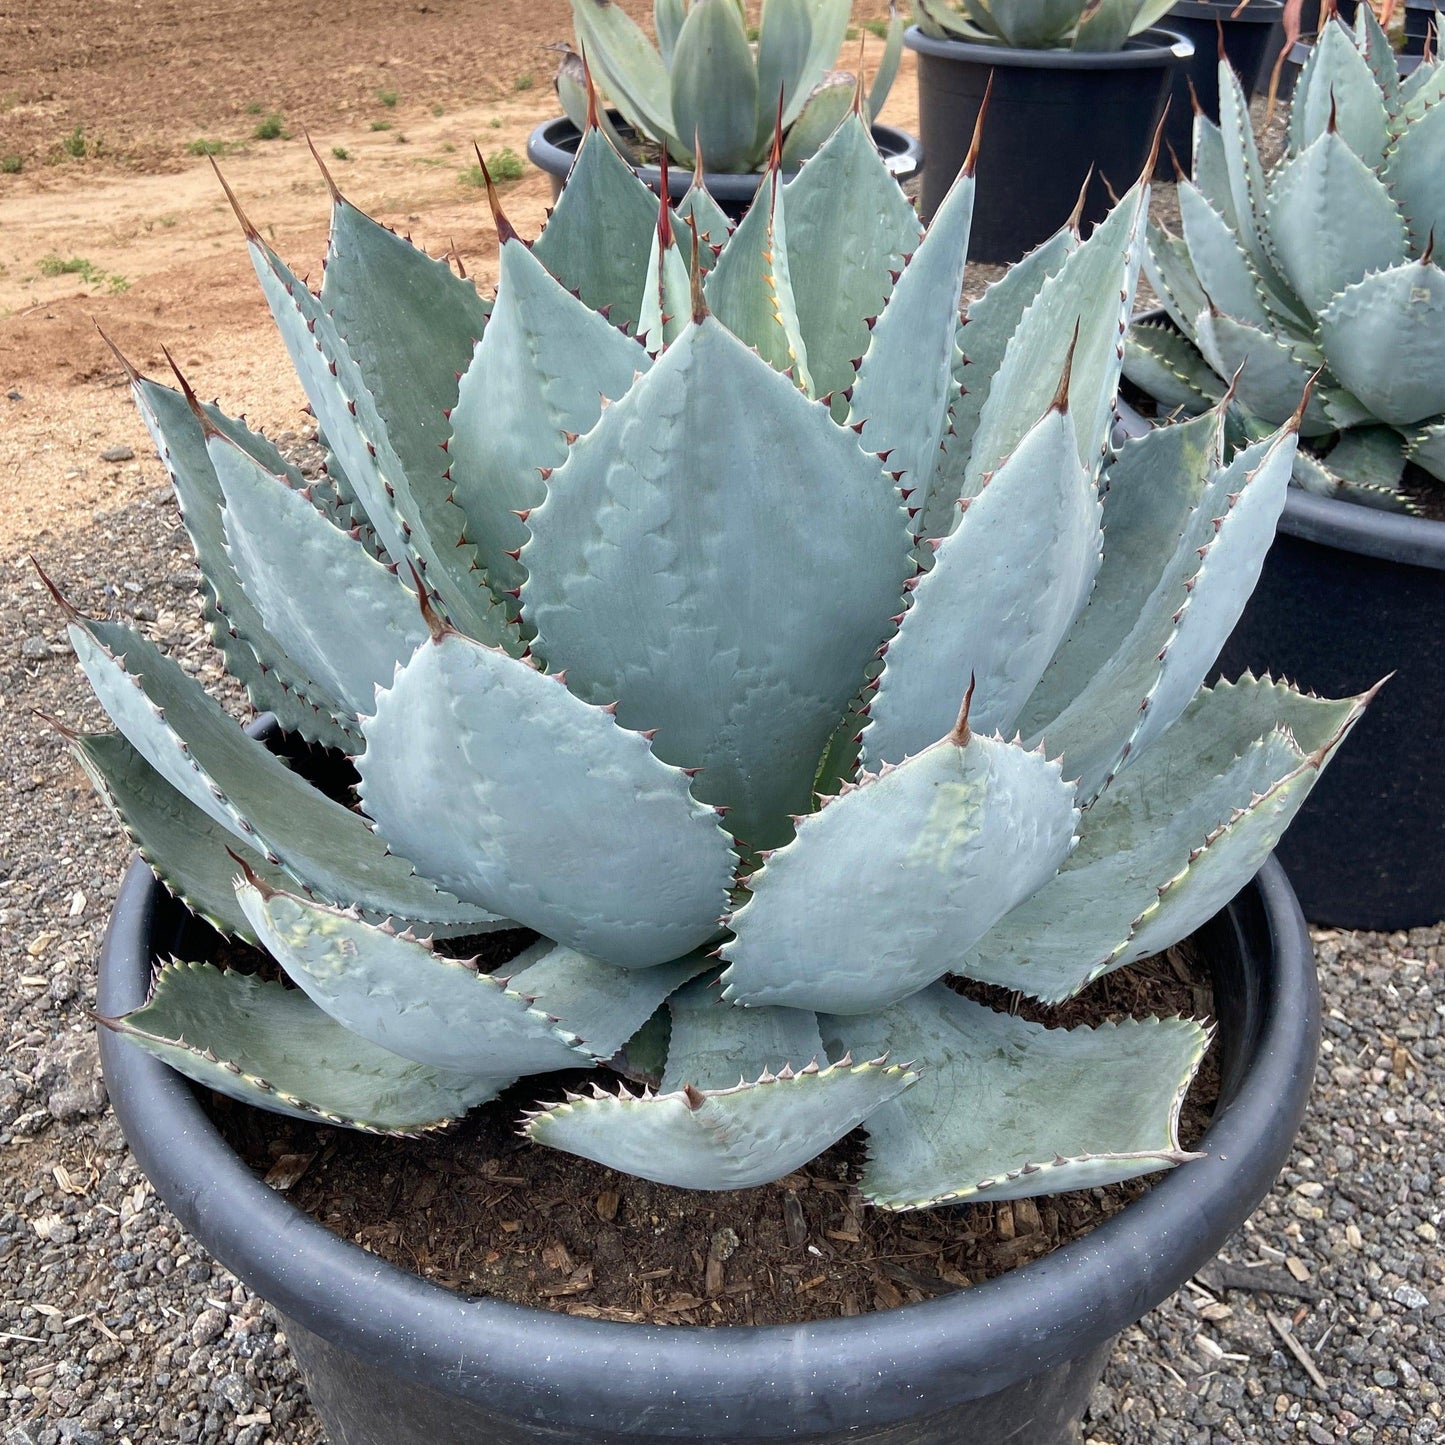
[1005, 1109]
[892, 881]
[512, 792]
[665, 555]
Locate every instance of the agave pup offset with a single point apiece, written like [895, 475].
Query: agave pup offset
[707, 93]
[769, 643]
[1325, 265]
[1041, 24]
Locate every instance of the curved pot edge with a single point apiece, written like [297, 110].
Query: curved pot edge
[1166, 48]
[901, 150]
[915, 1359]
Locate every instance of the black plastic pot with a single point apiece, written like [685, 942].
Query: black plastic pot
[1348, 594]
[1422, 27]
[393, 1360]
[1246, 37]
[1405, 63]
[553, 146]
[1053, 115]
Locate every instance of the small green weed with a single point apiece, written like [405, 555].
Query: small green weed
[504, 165]
[381, 125]
[273, 127]
[54, 265]
[204, 146]
[851, 33]
[877, 27]
[387, 97]
[495, 123]
[525, 81]
[341, 153]
[438, 110]
[255, 108]
[11, 165]
[117, 285]
[74, 144]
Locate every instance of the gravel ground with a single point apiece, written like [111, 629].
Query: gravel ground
[1322, 1320]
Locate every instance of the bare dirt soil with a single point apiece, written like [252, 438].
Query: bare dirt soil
[115, 219]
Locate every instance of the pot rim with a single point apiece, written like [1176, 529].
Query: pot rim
[902, 154]
[1256, 12]
[1330, 521]
[692, 1382]
[1153, 47]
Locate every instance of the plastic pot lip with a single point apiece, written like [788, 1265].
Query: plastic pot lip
[1330, 522]
[1257, 12]
[769, 1382]
[552, 146]
[1154, 47]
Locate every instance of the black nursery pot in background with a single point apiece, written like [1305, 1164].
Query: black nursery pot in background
[1245, 37]
[394, 1360]
[552, 147]
[1423, 27]
[1052, 115]
[1309, 27]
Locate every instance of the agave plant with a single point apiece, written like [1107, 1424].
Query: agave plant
[1041, 24]
[760, 542]
[706, 92]
[1324, 264]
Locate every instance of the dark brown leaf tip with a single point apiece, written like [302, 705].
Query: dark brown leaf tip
[331, 185]
[435, 625]
[1060, 402]
[699, 304]
[252, 234]
[506, 231]
[970, 161]
[961, 732]
[251, 876]
[72, 613]
[131, 374]
[208, 427]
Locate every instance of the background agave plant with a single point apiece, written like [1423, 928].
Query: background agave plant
[577, 590]
[705, 88]
[1323, 264]
[1041, 24]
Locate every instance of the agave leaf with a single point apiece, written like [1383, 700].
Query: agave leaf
[1343, 97]
[1171, 840]
[1427, 449]
[1417, 179]
[1039, 26]
[1241, 158]
[1165, 364]
[1008, 1109]
[1419, 93]
[887, 71]
[1209, 168]
[667, 296]
[410, 324]
[942, 21]
[1103, 24]
[900, 400]
[823, 112]
[182, 733]
[750, 288]
[667, 18]
[891, 882]
[725, 1134]
[270, 1046]
[420, 523]
[627, 65]
[830, 25]
[785, 37]
[1313, 475]
[1178, 632]
[603, 1005]
[599, 237]
[1156, 484]
[274, 681]
[1374, 45]
[504, 786]
[713, 226]
[547, 364]
[982, 339]
[1222, 267]
[190, 853]
[1331, 221]
[714, 81]
[393, 991]
[1004, 589]
[1083, 308]
[1270, 376]
[1370, 457]
[1384, 337]
[1171, 273]
[860, 228]
[343, 614]
[662, 559]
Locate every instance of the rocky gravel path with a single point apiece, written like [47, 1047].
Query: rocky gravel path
[1322, 1322]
